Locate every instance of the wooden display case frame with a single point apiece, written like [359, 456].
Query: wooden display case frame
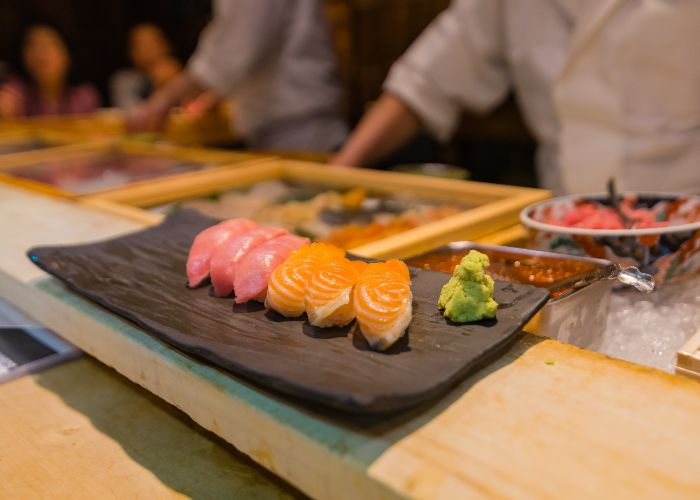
[210, 129]
[56, 142]
[496, 206]
[106, 123]
[223, 158]
[688, 362]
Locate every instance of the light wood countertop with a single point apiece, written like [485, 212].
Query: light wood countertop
[546, 420]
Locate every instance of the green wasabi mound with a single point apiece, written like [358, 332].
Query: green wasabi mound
[468, 296]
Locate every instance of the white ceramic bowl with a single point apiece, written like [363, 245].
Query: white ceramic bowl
[667, 253]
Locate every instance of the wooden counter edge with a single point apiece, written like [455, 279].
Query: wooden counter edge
[222, 408]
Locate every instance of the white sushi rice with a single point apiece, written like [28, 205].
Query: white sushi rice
[649, 329]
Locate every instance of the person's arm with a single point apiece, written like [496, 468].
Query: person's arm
[241, 34]
[386, 127]
[151, 115]
[456, 63]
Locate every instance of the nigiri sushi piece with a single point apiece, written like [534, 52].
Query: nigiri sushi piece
[382, 302]
[199, 258]
[254, 269]
[285, 290]
[328, 297]
[225, 258]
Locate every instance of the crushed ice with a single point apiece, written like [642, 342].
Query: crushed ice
[649, 329]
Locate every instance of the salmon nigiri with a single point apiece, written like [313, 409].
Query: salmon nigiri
[328, 297]
[224, 260]
[383, 303]
[199, 258]
[285, 292]
[254, 269]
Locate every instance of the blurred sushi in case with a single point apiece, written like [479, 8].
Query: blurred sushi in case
[287, 284]
[329, 294]
[383, 303]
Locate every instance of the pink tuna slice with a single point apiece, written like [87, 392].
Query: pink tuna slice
[199, 259]
[255, 268]
[224, 260]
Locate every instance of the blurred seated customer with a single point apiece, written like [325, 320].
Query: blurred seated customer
[610, 88]
[46, 85]
[273, 60]
[153, 65]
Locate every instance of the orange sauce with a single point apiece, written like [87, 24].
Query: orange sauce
[539, 271]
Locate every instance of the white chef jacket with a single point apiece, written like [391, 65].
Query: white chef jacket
[274, 59]
[608, 87]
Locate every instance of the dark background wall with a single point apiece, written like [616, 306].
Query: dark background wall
[97, 29]
[368, 36]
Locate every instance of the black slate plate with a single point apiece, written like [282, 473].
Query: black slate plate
[141, 276]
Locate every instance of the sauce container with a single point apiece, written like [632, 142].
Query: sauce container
[580, 286]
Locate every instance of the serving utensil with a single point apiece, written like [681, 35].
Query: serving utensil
[614, 199]
[626, 275]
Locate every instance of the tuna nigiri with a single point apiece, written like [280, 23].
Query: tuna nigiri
[225, 258]
[254, 269]
[383, 303]
[328, 297]
[285, 291]
[199, 258]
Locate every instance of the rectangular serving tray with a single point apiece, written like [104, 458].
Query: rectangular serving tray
[141, 277]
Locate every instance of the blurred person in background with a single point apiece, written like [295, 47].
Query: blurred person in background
[273, 60]
[46, 84]
[610, 88]
[153, 66]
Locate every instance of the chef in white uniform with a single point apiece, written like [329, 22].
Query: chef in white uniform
[274, 60]
[610, 88]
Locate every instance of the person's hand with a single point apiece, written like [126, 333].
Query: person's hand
[148, 117]
[10, 102]
[335, 162]
[203, 103]
[339, 160]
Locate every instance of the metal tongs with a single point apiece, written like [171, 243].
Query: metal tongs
[614, 200]
[630, 276]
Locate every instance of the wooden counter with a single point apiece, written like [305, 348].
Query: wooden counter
[80, 430]
[546, 420]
